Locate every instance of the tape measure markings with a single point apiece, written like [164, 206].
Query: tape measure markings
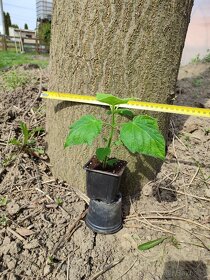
[166, 108]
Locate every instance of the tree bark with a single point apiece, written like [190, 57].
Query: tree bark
[127, 48]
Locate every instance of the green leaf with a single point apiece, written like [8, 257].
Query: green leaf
[118, 142]
[3, 220]
[39, 151]
[125, 112]
[59, 201]
[25, 132]
[83, 131]
[111, 99]
[3, 201]
[175, 242]
[36, 130]
[112, 161]
[31, 142]
[103, 153]
[105, 139]
[143, 136]
[151, 244]
[15, 141]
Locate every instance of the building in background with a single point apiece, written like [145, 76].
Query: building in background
[17, 34]
[44, 10]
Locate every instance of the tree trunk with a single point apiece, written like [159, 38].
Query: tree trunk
[127, 48]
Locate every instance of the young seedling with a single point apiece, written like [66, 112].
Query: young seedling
[59, 201]
[27, 141]
[3, 220]
[139, 135]
[15, 79]
[3, 201]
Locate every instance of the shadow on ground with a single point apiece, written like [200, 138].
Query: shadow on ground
[185, 270]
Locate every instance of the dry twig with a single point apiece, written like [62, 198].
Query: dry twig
[188, 194]
[106, 268]
[70, 232]
[127, 270]
[16, 234]
[175, 218]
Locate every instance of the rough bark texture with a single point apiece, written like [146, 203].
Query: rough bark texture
[127, 48]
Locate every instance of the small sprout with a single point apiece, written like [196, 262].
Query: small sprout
[197, 82]
[26, 142]
[50, 260]
[3, 221]
[196, 59]
[8, 160]
[3, 201]
[207, 131]
[59, 201]
[174, 242]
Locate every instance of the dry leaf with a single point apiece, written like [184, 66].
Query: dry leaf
[24, 231]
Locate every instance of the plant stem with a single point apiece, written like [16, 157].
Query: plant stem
[111, 133]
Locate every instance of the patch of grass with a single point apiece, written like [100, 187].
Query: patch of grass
[196, 59]
[10, 58]
[15, 79]
[197, 82]
[206, 58]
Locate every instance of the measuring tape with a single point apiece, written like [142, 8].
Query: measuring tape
[166, 108]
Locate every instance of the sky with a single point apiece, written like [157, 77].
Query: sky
[198, 35]
[21, 12]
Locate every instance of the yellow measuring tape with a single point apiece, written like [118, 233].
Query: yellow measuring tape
[166, 108]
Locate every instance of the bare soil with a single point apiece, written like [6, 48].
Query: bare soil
[42, 229]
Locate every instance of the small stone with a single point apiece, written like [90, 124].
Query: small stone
[28, 272]
[47, 269]
[190, 127]
[147, 190]
[207, 193]
[34, 268]
[10, 262]
[13, 277]
[198, 134]
[6, 240]
[13, 208]
[32, 244]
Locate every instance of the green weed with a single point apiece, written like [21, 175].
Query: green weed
[3, 220]
[15, 79]
[8, 160]
[196, 59]
[3, 201]
[206, 131]
[197, 82]
[206, 58]
[27, 140]
[59, 201]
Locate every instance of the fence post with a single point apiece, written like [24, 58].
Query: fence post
[37, 47]
[4, 43]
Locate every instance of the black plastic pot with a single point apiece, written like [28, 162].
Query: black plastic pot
[103, 185]
[105, 217]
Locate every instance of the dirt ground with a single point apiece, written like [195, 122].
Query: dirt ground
[42, 233]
